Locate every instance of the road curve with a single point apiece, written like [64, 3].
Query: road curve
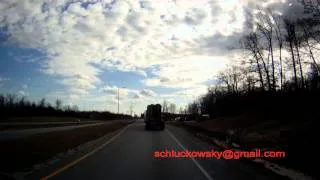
[130, 156]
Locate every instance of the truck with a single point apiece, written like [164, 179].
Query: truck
[153, 118]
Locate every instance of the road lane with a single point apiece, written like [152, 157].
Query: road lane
[16, 134]
[130, 156]
[47, 123]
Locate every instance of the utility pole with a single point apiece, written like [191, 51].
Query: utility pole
[118, 100]
[131, 109]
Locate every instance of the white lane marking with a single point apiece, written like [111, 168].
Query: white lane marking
[205, 173]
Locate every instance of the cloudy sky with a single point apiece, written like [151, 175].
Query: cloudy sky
[82, 51]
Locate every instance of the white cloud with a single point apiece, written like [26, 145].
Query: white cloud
[23, 93]
[25, 86]
[3, 79]
[136, 95]
[127, 92]
[135, 36]
[127, 97]
[114, 90]
[187, 72]
[183, 97]
[147, 92]
[192, 92]
[185, 38]
[61, 95]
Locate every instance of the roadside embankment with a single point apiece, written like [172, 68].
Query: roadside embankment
[269, 136]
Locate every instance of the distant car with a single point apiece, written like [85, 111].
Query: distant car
[180, 119]
[205, 117]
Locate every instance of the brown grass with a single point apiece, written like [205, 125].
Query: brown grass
[295, 138]
[253, 133]
[21, 154]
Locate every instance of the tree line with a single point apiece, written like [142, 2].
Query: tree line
[278, 69]
[15, 106]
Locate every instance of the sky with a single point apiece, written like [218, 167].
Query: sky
[83, 51]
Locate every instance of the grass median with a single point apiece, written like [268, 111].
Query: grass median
[19, 123]
[17, 127]
[21, 154]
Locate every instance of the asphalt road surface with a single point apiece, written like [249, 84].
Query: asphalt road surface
[16, 134]
[130, 156]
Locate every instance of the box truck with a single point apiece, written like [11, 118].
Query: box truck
[153, 118]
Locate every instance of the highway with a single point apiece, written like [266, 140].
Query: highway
[130, 156]
[16, 134]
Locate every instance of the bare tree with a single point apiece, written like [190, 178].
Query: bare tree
[250, 43]
[172, 108]
[42, 103]
[290, 37]
[22, 102]
[224, 77]
[249, 80]
[312, 56]
[297, 44]
[75, 108]
[49, 105]
[193, 108]
[232, 77]
[181, 111]
[58, 104]
[312, 7]
[2, 100]
[265, 26]
[165, 106]
[279, 37]
[308, 26]
[67, 108]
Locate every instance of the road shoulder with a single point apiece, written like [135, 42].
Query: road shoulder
[37, 154]
[217, 168]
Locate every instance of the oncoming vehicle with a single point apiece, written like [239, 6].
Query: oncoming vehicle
[152, 117]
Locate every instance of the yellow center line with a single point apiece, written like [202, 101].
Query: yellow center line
[69, 165]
